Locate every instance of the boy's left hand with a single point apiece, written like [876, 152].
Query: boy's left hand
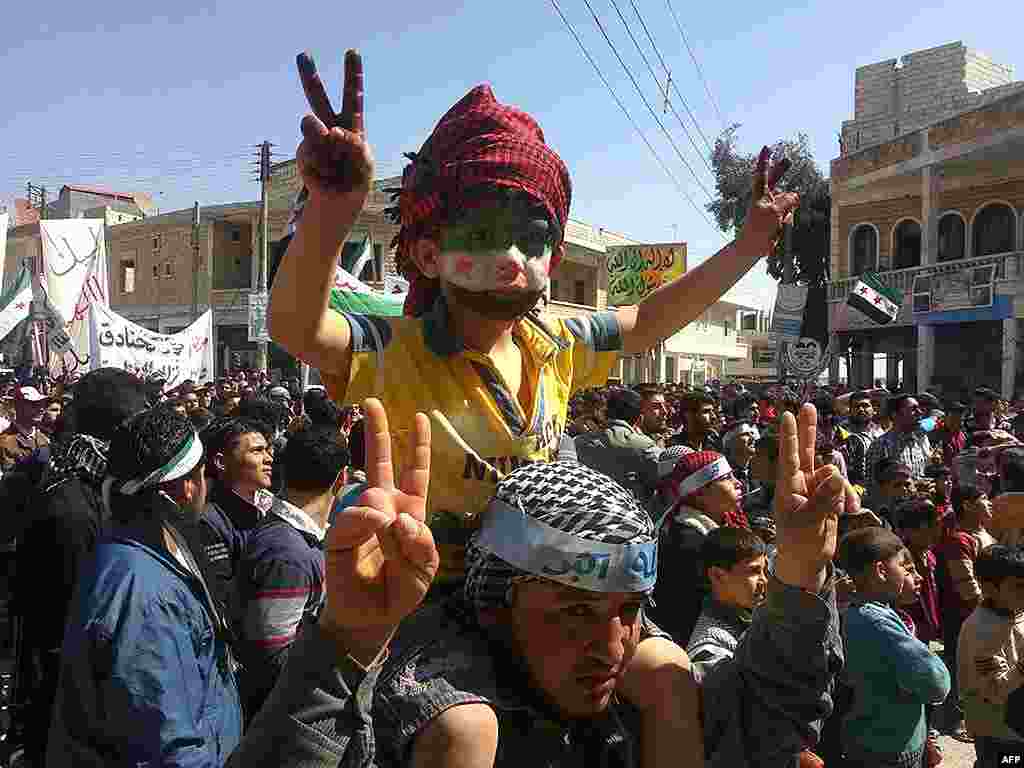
[769, 209]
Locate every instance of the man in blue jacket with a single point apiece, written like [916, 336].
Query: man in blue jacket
[146, 674]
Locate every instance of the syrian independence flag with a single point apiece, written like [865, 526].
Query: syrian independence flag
[352, 295]
[877, 301]
[14, 303]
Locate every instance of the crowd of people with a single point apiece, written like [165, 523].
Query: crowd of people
[467, 550]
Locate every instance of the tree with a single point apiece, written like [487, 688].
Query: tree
[811, 234]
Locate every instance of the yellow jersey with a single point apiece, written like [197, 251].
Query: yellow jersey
[480, 431]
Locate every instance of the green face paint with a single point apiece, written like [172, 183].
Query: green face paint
[504, 248]
[499, 227]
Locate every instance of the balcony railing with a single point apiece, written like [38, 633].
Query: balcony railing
[1007, 268]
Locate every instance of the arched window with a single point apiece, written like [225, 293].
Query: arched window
[952, 237]
[993, 230]
[906, 245]
[863, 249]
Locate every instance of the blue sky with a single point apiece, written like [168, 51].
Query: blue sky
[111, 93]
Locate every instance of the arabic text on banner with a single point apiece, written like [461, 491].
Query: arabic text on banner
[74, 276]
[636, 270]
[119, 343]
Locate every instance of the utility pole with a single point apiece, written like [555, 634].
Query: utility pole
[37, 199]
[262, 353]
[195, 261]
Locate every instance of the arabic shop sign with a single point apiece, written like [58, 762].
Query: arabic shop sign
[119, 343]
[636, 270]
[968, 288]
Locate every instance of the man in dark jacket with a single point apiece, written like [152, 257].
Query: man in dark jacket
[279, 587]
[66, 521]
[621, 450]
[239, 464]
[147, 677]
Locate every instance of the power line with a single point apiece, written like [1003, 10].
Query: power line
[668, 74]
[647, 104]
[700, 72]
[629, 117]
[668, 83]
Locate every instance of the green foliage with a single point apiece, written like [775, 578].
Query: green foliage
[810, 239]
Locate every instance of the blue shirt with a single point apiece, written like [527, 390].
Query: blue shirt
[893, 676]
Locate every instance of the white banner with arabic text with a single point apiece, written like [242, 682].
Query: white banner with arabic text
[74, 277]
[119, 343]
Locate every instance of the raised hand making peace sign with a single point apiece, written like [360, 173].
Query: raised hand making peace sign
[769, 209]
[381, 556]
[334, 157]
[808, 504]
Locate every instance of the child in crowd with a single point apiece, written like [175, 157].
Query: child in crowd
[990, 657]
[921, 528]
[895, 484]
[705, 495]
[735, 564]
[959, 590]
[942, 493]
[891, 674]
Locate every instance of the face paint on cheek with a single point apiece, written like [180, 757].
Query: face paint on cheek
[495, 271]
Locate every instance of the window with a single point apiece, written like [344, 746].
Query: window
[749, 321]
[864, 249]
[128, 276]
[554, 290]
[993, 230]
[156, 271]
[763, 357]
[725, 327]
[236, 235]
[580, 292]
[156, 242]
[169, 269]
[906, 245]
[952, 239]
[670, 369]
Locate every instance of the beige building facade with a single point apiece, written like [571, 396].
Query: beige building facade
[939, 214]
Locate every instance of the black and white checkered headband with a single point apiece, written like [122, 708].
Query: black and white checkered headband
[565, 495]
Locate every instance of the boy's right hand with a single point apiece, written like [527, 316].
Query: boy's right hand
[334, 157]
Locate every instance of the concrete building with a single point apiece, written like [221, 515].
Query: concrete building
[729, 341]
[900, 96]
[938, 212]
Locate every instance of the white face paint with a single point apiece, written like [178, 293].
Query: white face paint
[504, 271]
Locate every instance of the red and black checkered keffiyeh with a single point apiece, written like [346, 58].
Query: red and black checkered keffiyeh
[479, 142]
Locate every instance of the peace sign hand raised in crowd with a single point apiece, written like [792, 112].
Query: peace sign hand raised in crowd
[808, 504]
[334, 157]
[381, 556]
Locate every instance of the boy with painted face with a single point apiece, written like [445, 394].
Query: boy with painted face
[483, 208]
